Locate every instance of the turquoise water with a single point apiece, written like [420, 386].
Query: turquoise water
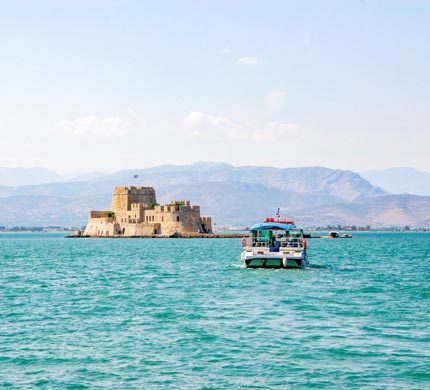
[185, 314]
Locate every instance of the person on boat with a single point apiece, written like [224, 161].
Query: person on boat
[274, 244]
[243, 241]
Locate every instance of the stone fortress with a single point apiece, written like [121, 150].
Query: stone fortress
[136, 213]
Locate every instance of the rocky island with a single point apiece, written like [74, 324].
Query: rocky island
[136, 213]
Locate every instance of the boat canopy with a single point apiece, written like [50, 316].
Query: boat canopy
[272, 226]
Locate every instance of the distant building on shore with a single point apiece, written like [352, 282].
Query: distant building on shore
[136, 213]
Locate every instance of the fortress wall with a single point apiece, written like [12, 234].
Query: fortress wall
[151, 216]
[171, 217]
[140, 229]
[137, 211]
[102, 227]
[129, 229]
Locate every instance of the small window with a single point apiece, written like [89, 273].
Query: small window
[177, 218]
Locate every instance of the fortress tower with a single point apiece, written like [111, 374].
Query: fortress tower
[124, 197]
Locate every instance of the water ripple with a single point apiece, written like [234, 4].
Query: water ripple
[133, 314]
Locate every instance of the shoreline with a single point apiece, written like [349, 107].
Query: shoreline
[178, 235]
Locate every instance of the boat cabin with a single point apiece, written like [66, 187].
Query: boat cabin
[277, 238]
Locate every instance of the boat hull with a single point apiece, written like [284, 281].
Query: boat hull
[274, 262]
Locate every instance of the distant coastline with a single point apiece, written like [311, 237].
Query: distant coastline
[37, 229]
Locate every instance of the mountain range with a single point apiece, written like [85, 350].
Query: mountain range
[400, 180]
[232, 196]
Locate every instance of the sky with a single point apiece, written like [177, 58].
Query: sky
[110, 85]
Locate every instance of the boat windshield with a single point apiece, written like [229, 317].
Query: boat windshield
[277, 238]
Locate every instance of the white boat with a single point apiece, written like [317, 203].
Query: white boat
[274, 243]
[334, 234]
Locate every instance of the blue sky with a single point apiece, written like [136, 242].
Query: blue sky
[108, 85]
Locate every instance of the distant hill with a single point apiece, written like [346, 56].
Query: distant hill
[86, 176]
[233, 196]
[400, 180]
[26, 176]
[384, 210]
[40, 210]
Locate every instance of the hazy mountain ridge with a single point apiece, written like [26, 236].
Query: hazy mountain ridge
[49, 210]
[384, 210]
[400, 180]
[13, 177]
[233, 196]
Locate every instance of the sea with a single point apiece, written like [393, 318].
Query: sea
[186, 314]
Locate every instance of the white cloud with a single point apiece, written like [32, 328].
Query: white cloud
[275, 99]
[204, 125]
[249, 61]
[112, 126]
[200, 124]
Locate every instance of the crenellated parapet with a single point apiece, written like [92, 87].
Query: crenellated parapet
[180, 202]
[99, 214]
